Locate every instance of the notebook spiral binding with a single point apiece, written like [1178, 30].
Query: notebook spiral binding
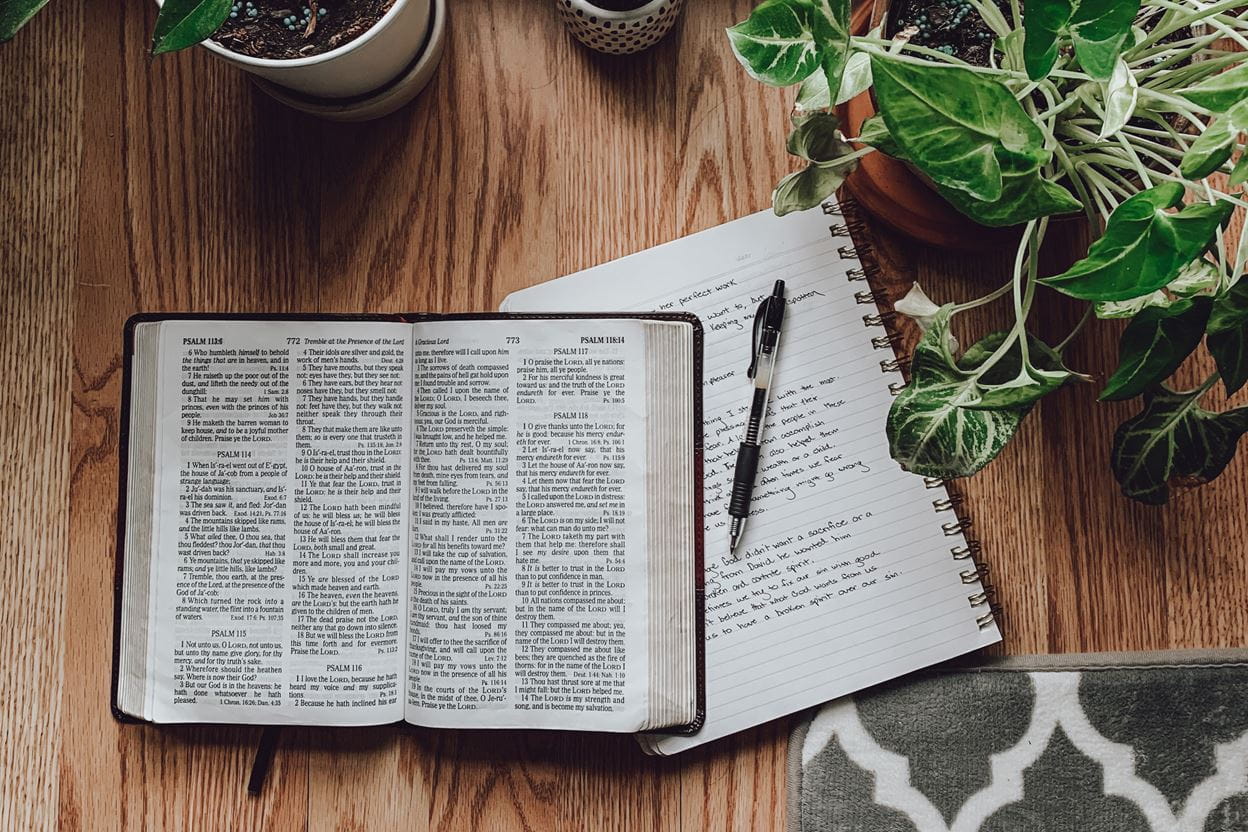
[974, 571]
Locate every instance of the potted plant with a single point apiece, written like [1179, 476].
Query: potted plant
[326, 50]
[1127, 112]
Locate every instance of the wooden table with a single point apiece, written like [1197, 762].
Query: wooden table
[136, 185]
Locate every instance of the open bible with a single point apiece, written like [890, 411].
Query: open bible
[477, 521]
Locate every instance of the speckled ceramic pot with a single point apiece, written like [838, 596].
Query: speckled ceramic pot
[619, 32]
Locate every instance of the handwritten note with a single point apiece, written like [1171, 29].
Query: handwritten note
[846, 578]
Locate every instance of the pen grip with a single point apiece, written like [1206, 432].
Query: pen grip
[743, 479]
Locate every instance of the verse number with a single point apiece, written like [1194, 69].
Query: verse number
[513, 339]
[294, 340]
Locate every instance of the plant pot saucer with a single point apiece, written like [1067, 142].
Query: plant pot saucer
[380, 102]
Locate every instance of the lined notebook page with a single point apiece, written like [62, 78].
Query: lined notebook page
[845, 576]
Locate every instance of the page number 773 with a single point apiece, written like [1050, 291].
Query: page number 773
[513, 339]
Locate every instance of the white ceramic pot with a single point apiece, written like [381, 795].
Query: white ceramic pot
[383, 101]
[365, 64]
[619, 32]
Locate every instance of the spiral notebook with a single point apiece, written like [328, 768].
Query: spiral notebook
[852, 571]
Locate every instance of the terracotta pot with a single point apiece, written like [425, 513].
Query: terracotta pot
[893, 194]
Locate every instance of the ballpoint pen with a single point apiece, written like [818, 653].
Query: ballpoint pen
[763, 347]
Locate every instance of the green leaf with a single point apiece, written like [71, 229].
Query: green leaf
[807, 188]
[1220, 92]
[1013, 50]
[1200, 277]
[776, 43]
[1113, 309]
[874, 132]
[1024, 196]
[1173, 441]
[970, 136]
[929, 431]
[957, 126]
[817, 141]
[831, 24]
[1011, 382]
[15, 13]
[813, 94]
[857, 77]
[1240, 173]
[1143, 247]
[1120, 94]
[1154, 344]
[1214, 146]
[1043, 23]
[1228, 336]
[183, 23]
[1098, 29]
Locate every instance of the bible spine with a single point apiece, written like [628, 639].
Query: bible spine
[983, 601]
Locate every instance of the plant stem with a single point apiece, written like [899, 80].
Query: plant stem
[1020, 303]
[1186, 73]
[873, 46]
[1213, 193]
[1205, 385]
[1076, 178]
[1241, 255]
[1175, 136]
[1105, 203]
[1178, 52]
[992, 16]
[1112, 188]
[1065, 342]
[1146, 174]
[1211, 17]
[1067, 102]
[1140, 136]
[1144, 133]
[1136, 135]
[848, 157]
[1167, 28]
[1125, 184]
[986, 299]
[1181, 106]
[1023, 307]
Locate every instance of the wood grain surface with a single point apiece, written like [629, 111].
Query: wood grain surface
[137, 185]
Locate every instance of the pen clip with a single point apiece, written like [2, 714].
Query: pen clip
[760, 319]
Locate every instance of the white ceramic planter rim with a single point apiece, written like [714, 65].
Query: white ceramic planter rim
[608, 14]
[310, 60]
[387, 99]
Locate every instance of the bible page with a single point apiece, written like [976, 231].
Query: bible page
[845, 576]
[527, 575]
[278, 566]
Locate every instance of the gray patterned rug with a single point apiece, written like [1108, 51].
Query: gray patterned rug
[1124, 742]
